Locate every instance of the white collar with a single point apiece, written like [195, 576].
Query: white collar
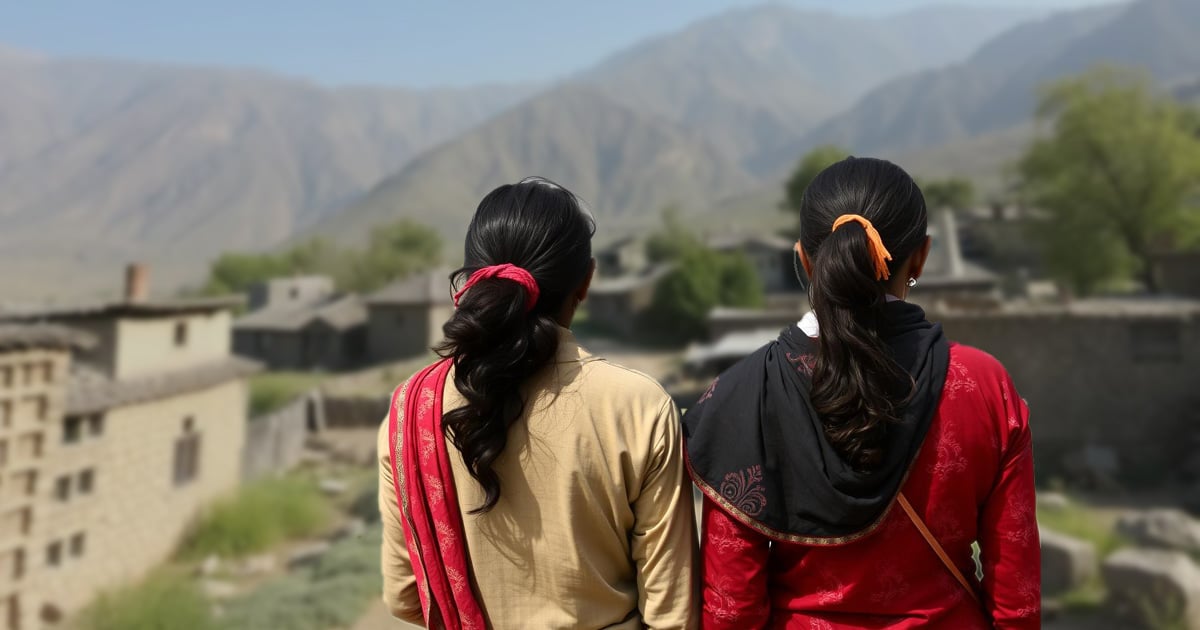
[808, 324]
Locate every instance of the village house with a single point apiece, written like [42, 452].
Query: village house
[618, 304]
[1178, 273]
[624, 256]
[289, 292]
[328, 333]
[405, 318]
[113, 448]
[772, 256]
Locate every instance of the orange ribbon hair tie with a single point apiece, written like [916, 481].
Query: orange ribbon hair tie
[879, 253]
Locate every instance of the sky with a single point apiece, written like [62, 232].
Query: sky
[413, 43]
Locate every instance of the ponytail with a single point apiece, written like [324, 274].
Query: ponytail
[496, 347]
[858, 388]
[528, 251]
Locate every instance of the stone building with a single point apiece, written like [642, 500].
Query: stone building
[772, 256]
[330, 334]
[289, 292]
[405, 318]
[34, 363]
[1178, 273]
[139, 430]
[618, 304]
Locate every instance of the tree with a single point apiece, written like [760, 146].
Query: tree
[807, 170]
[395, 250]
[954, 193]
[1116, 176]
[701, 280]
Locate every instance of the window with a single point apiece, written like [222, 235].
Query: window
[72, 429]
[6, 375]
[6, 408]
[26, 482]
[187, 454]
[87, 482]
[293, 293]
[62, 489]
[54, 554]
[77, 545]
[30, 445]
[18, 564]
[95, 425]
[181, 334]
[48, 371]
[1156, 341]
[3, 453]
[28, 369]
[13, 613]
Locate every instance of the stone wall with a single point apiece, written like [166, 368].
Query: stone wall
[1124, 384]
[355, 413]
[275, 442]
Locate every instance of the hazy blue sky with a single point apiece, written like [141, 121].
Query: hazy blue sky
[395, 42]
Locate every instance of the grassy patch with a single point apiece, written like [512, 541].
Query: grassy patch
[1082, 522]
[270, 391]
[162, 602]
[259, 516]
[333, 594]
[1086, 598]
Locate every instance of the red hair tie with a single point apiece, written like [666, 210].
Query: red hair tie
[508, 272]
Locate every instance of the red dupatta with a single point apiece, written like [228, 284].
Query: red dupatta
[433, 524]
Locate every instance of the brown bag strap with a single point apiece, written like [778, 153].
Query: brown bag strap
[936, 546]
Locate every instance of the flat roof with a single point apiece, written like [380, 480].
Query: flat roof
[141, 308]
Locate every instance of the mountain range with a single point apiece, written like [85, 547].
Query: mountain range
[106, 161]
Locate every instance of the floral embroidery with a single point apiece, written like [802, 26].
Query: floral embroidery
[892, 586]
[834, 590]
[457, 581]
[958, 380]
[745, 491]
[950, 458]
[805, 363]
[445, 534]
[708, 393]
[428, 446]
[426, 401]
[435, 489]
[819, 624]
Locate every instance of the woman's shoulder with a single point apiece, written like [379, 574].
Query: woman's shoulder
[972, 360]
[613, 379]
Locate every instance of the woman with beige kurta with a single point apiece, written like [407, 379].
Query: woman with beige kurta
[525, 483]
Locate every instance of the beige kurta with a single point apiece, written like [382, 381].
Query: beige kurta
[594, 528]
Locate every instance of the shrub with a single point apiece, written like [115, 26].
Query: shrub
[259, 516]
[334, 593]
[162, 602]
[271, 391]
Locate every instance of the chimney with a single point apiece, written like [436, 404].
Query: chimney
[137, 282]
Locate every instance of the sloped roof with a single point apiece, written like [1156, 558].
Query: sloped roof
[30, 336]
[142, 308]
[426, 287]
[623, 284]
[339, 312]
[90, 390]
[735, 241]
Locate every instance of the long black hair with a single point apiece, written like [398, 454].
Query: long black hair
[495, 343]
[858, 389]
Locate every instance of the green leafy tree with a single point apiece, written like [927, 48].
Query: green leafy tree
[807, 170]
[701, 280]
[394, 251]
[954, 193]
[1116, 177]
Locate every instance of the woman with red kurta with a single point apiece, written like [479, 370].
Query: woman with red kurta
[849, 465]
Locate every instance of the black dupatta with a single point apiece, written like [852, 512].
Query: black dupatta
[756, 447]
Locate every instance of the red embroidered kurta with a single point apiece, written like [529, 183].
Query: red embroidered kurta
[972, 481]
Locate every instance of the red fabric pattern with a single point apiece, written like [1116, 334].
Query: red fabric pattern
[972, 481]
[433, 525]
